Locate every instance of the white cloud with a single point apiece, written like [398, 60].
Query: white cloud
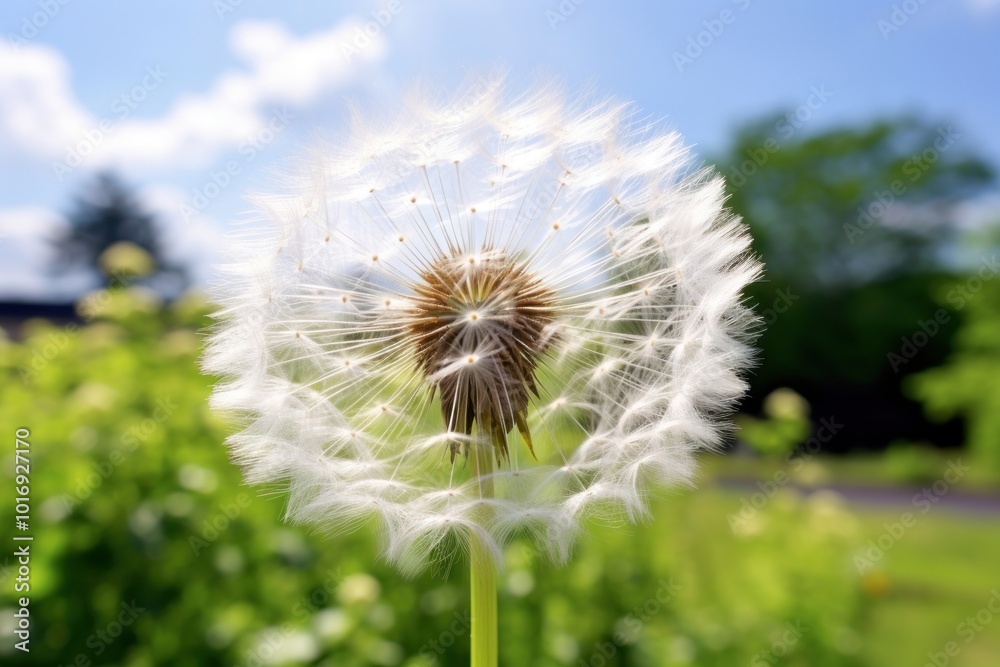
[38, 112]
[26, 254]
[196, 242]
[29, 223]
[40, 117]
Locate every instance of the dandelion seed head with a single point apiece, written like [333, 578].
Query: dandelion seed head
[549, 282]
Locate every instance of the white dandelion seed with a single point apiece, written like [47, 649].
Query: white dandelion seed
[482, 319]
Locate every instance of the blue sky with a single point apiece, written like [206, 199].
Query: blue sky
[173, 94]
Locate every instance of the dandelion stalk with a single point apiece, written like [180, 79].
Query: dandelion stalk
[483, 577]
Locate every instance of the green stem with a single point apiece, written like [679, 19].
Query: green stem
[484, 576]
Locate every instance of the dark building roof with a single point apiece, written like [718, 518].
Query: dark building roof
[13, 314]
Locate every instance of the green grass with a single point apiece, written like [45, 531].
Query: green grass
[941, 570]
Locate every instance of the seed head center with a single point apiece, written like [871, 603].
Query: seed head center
[483, 367]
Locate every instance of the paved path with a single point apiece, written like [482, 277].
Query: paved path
[959, 501]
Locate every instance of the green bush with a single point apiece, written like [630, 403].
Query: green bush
[968, 383]
[149, 550]
[785, 424]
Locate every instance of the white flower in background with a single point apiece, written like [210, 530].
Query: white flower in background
[482, 318]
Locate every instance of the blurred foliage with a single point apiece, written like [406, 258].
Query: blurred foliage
[134, 503]
[785, 424]
[850, 206]
[126, 259]
[910, 462]
[852, 224]
[968, 383]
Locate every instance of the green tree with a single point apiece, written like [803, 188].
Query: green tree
[106, 214]
[850, 206]
[852, 224]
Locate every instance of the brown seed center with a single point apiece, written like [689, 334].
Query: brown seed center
[479, 326]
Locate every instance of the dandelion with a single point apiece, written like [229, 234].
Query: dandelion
[483, 319]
